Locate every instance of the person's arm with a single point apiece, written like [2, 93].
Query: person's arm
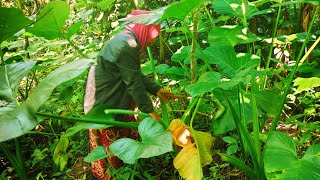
[150, 86]
[127, 62]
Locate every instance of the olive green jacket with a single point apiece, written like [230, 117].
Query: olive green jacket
[118, 77]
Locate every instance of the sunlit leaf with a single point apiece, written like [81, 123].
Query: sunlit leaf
[179, 10]
[11, 21]
[10, 77]
[305, 84]
[51, 20]
[154, 142]
[22, 119]
[96, 154]
[231, 35]
[282, 162]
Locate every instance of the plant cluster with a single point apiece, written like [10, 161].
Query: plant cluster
[247, 74]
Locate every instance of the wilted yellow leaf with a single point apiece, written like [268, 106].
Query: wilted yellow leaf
[188, 163]
[181, 133]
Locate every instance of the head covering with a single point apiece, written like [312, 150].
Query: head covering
[145, 34]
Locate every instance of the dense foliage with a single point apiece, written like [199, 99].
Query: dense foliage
[247, 74]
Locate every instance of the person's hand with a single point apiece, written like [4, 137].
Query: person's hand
[155, 116]
[166, 95]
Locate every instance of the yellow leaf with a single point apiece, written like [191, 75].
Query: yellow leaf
[188, 163]
[181, 133]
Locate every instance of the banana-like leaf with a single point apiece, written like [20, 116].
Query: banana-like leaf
[282, 162]
[22, 119]
[51, 20]
[154, 142]
[193, 156]
[231, 35]
[180, 10]
[11, 21]
[10, 77]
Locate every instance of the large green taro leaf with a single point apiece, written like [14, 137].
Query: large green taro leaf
[154, 142]
[11, 21]
[22, 119]
[180, 10]
[264, 98]
[212, 80]
[146, 19]
[10, 77]
[238, 8]
[51, 20]
[231, 35]
[228, 62]
[282, 162]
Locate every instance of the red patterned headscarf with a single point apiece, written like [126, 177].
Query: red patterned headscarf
[145, 34]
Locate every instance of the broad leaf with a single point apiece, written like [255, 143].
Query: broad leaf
[181, 133]
[179, 10]
[305, 84]
[51, 20]
[154, 142]
[96, 154]
[209, 81]
[231, 35]
[237, 8]
[181, 54]
[10, 77]
[282, 162]
[22, 119]
[11, 21]
[227, 61]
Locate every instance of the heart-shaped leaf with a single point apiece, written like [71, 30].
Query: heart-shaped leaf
[51, 20]
[154, 142]
[10, 77]
[231, 35]
[11, 21]
[282, 162]
[22, 119]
